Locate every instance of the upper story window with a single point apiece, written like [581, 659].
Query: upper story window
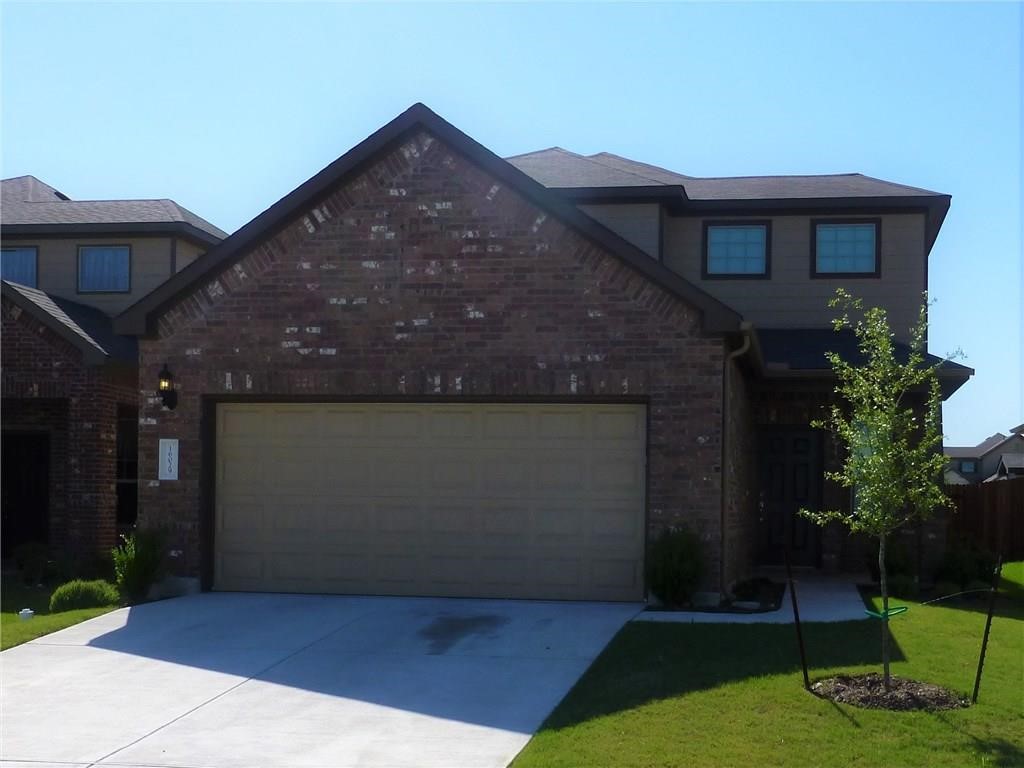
[846, 248]
[18, 265]
[104, 268]
[737, 249]
[970, 467]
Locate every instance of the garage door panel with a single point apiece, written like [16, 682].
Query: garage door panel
[614, 573]
[296, 422]
[398, 423]
[557, 524]
[453, 423]
[242, 422]
[618, 473]
[610, 524]
[558, 573]
[458, 521]
[561, 424]
[296, 514]
[453, 471]
[398, 471]
[340, 422]
[348, 469]
[561, 473]
[618, 424]
[240, 567]
[506, 423]
[240, 469]
[505, 472]
[242, 514]
[509, 500]
[348, 517]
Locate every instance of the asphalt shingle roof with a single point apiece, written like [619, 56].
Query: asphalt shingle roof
[559, 168]
[26, 200]
[90, 327]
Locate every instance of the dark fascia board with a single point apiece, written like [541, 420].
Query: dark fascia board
[676, 201]
[951, 375]
[180, 229]
[672, 196]
[91, 355]
[139, 318]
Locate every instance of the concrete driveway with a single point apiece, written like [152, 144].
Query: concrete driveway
[297, 680]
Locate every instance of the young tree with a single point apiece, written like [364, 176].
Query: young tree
[894, 455]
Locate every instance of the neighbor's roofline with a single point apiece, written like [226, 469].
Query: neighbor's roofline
[138, 319]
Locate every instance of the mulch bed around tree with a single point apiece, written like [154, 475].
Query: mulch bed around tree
[869, 691]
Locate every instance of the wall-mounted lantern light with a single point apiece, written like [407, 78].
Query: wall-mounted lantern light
[167, 392]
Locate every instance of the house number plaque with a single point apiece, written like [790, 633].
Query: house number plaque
[168, 459]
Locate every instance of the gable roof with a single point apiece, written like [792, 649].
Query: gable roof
[31, 207]
[138, 319]
[86, 328]
[604, 175]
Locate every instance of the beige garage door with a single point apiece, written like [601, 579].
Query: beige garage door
[529, 501]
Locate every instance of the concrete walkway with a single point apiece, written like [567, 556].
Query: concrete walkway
[225, 680]
[819, 598]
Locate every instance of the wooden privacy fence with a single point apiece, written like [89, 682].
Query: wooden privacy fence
[991, 515]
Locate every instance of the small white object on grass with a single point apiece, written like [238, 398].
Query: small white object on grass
[26, 613]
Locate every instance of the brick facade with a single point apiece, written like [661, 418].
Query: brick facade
[46, 387]
[424, 277]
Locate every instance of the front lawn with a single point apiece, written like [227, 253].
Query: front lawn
[14, 596]
[732, 695]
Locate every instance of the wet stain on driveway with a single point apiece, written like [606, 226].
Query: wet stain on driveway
[444, 632]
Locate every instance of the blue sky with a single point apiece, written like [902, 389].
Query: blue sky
[227, 107]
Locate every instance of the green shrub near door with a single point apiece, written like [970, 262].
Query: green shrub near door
[138, 563]
[675, 566]
[83, 594]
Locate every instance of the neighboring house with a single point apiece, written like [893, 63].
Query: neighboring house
[69, 383]
[428, 370]
[993, 458]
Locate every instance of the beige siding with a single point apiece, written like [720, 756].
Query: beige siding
[469, 500]
[57, 268]
[791, 298]
[187, 253]
[640, 224]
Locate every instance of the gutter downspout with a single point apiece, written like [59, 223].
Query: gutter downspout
[747, 329]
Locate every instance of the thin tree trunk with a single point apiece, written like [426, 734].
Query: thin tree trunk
[885, 611]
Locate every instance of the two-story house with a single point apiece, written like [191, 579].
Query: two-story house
[69, 383]
[430, 370]
[996, 457]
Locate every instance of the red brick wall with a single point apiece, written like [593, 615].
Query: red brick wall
[424, 276]
[45, 385]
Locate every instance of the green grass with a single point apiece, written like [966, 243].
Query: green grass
[1012, 582]
[14, 630]
[732, 695]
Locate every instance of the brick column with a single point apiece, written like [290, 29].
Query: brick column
[91, 518]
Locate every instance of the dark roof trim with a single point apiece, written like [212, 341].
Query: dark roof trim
[144, 228]
[672, 196]
[139, 318]
[91, 354]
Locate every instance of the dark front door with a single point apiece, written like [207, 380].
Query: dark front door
[790, 480]
[25, 484]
